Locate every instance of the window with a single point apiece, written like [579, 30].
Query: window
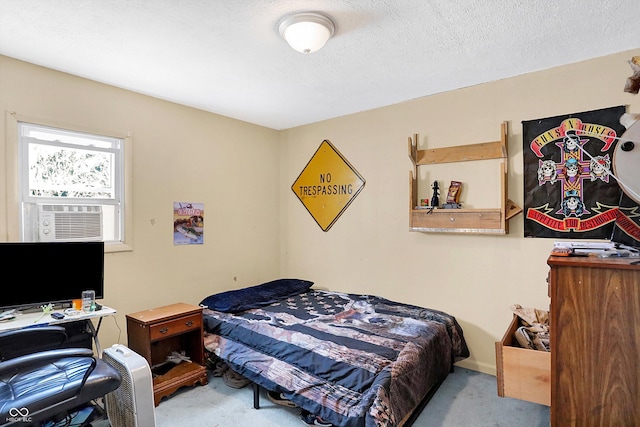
[70, 185]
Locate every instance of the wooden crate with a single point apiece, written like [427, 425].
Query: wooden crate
[522, 373]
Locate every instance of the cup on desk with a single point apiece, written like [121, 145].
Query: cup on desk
[88, 301]
[76, 304]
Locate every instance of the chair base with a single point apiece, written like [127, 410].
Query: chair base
[86, 416]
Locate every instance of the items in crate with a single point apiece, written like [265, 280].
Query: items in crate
[534, 332]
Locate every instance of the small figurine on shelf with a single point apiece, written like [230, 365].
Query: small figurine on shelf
[435, 201]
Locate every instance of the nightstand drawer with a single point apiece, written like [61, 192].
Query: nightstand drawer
[174, 327]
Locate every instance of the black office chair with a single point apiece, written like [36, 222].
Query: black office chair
[41, 382]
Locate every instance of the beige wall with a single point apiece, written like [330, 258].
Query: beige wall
[180, 154]
[257, 229]
[370, 250]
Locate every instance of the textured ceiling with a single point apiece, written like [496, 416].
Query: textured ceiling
[227, 57]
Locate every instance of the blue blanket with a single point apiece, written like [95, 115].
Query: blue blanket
[354, 360]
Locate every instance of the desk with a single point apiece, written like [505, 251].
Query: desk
[36, 319]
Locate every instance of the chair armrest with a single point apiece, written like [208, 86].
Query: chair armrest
[42, 357]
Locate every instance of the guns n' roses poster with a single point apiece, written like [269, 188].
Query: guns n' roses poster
[569, 192]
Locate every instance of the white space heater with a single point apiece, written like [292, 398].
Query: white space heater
[131, 404]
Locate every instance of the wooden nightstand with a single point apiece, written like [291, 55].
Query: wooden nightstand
[156, 333]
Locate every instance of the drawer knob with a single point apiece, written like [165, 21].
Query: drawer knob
[189, 323]
[164, 330]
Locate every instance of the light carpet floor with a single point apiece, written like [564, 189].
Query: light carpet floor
[466, 399]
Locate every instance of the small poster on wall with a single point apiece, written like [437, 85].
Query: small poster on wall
[188, 223]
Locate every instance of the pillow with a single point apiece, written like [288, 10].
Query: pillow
[255, 296]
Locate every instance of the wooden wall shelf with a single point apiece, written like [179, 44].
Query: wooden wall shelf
[480, 221]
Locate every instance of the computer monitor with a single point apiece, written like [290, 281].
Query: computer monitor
[40, 273]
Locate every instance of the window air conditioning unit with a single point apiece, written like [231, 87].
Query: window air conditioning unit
[69, 223]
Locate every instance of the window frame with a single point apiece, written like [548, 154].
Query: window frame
[14, 199]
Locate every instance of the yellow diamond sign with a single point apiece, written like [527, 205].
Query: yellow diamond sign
[327, 185]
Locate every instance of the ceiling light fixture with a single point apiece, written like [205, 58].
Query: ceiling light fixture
[307, 32]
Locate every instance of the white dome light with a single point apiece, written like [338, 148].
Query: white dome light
[307, 32]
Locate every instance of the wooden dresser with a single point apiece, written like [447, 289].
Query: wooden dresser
[595, 341]
[157, 333]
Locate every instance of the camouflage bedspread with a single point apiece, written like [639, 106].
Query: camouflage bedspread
[354, 360]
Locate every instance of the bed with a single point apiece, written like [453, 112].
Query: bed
[354, 360]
